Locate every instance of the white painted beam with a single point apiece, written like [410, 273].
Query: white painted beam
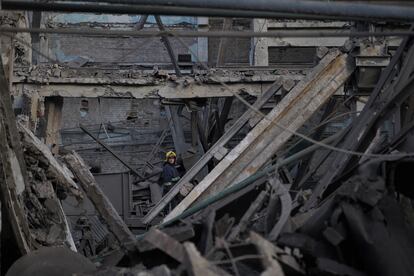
[266, 138]
[307, 41]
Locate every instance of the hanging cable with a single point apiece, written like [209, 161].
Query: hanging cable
[304, 137]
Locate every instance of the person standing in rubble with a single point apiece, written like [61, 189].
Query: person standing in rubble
[170, 174]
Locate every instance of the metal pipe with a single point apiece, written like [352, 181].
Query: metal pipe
[342, 9]
[108, 33]
[146, 9]
[167, 45]
[308, 150]
[251, 179]
[230, 8]
[111, 152]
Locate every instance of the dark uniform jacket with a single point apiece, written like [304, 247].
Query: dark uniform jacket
[169, 174]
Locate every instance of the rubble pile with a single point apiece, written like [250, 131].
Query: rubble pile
[346, 235]
[273, 193]
[46, 186]
[66, 73]
[269, 223]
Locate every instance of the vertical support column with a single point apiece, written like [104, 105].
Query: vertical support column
[176, 130]
[259, 51]
[11, 64]
[13, 175]
[202, 42]
[36, 20]
[23, 22]
[168, 46]
[34, 105]
[227, 25]
[54, 115]
[194, 130]
[44, 48]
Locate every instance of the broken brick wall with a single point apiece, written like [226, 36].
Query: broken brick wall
[238, 49]
[15, 47]
[119, 50]
[132, 125]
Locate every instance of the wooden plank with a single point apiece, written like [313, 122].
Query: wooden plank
[210, 153]
[383, 99]
[59, 171]
[230, 198]
[266, 138]
[166, 244]
[198, 265]
[178, 233]
[13, 176]
[271, 265]
[274, 257]
[12, 186]
[254, 207]
[54, 170]
[102, 204]
[19, 190]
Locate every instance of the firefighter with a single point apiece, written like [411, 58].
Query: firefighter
[170, 174]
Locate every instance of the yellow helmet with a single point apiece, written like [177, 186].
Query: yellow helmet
[170, 154]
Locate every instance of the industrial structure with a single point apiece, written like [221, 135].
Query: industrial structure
[292, 124]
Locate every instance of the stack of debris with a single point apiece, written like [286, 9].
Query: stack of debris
[31, 211]
[47, 222]
[249, 215]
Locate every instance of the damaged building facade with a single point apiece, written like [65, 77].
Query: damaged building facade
[293, 121]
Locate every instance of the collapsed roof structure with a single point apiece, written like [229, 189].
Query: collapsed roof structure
[293, 120]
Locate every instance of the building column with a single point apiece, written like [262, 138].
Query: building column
[258, 51]
[53, 106]
[202, 42]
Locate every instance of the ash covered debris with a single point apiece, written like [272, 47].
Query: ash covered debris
[295, 153]
[48, 183]
[62, 73]
[257, 225]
